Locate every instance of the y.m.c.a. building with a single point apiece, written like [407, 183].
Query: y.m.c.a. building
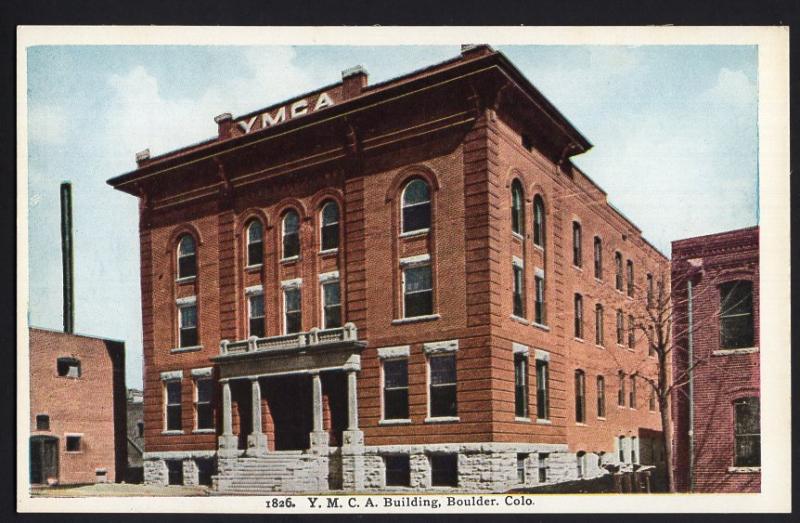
[405, 285]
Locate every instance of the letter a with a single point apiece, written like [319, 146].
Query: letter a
[323, 101]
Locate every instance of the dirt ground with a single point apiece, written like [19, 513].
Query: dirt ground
[116, 489]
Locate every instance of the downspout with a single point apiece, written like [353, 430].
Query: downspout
[691, 387]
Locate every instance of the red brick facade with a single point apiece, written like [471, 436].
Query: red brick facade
[90, 405]
[723, 375]
[463, 128]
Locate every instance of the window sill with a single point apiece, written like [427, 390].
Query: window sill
[73, 452]
[540, 326]
[193, 348]
[744, 470]
[575, 338]
[630, 349]
[69, 377]
[517, 236]
[538, 247]
[290, 259]
[601, 347]
[204, 431]
[253, 268]
[418, 232]
[544, 421]
[394, 422]
[580, 424]
[443, 419]
[415, 319]
[577, 267]
[522, 420]
[519, 319]
[186, 279]
[329, 252]
[601, 418]
[731, 352]
[598, 280]
[171, 432]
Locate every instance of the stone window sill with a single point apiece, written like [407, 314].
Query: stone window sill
[538, 247]
[578, 339]
[415, 319]
[171, 432]
[598, 280]
[193, 348]
[522, 419]
[542, 421]
[329, 252]
[519, 319]
[186, 279]
[73, 452]
[411, 234]
[394, 422]
[517, 236]
[204, 431]
[540, 326]
[601, 347]
[580, 424]
[253, 268]
[731, 352]
[290, 259]
[577, 267]
[744, 470]
[443, 419]
[601, 418]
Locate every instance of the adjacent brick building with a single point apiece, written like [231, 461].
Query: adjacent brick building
[718, 275]
[386, 287]
[77, 408]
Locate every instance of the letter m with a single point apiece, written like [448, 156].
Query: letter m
[333, 502]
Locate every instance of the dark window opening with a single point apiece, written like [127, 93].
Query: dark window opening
[517, 208]
[519, 299]
[577, 257]
[395, 389]
[543, 467]
[332, 305]
[417, 291]
[540, 311]
[205, 411]
[618, 271]
[580, 396]
[747, 432]
[188, 325]
[598, 324]
[292, 311]
[139, 429]
[398, 470]
[632, 393]
[443, 386]
[579, 316]
[621, 390]
[205, 469]
[255, 243]
[175, 471]
[538, 221]
[542, 390]
[631, 332]
[173, 390]
[521, 468]
[68, 367]
[601, 397]
[73, 443]
[521, 385]
[291, 235]
[598, 258]
[630, 277]
[444, 470]
[329, 227]
[187, 257]
[416, 206]
[42, 422]
[620, 328]
[736, 315]
[256, 315]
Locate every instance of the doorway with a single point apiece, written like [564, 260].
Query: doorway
[44, 459]
[289, 399]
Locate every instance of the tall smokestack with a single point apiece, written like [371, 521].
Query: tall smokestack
[66, 257]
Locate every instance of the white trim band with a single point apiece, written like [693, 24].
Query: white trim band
[436, 347]
[188, 300]
[205, 372]
[517, 262]
[292, 284]
[539, 272]
[331, 276]
[401, 351]
[542, 355]
[518, 348]
[172, 375]
[254, 289]
[414, 260]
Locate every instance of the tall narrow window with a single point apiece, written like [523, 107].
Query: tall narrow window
[255, 303]
[621, 389]
[601, 397]
[618, 271]
[649, 290]
[540, 311]
[416, 212]
[187, 257]
[255, 243]
[598, 258]
[172, 388]
[329, 226]
[417, 291]
[581, 463]
[621, 443]
[204, 413]
[578, 316]
[538, 221]
[542, 390]
[291, 310]
[442, 391]
[521, 457]
[652, 403]
[521, 385]
[620, 327]
[187, 318]
[395, 388]
[634, 449]
[598, 324]
[519, 291]
[630, 277]
[517, 208]
[631, 332]
[747, 432]
[543, 467]
[577, 256]
[632, 393]
[652, 341]
[332, 305]
[580, 396]
[291, 235]
[736, 315]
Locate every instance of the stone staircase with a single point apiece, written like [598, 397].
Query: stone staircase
[277, 472]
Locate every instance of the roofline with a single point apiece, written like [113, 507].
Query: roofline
[721, 237]
[56, 331]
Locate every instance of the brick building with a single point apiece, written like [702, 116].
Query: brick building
[389, 286]
[718, 275]
[77, 408]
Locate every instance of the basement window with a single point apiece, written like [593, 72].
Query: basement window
[205, 469]
[521, 468]
[69, 367]
[175, 471]
[444, 470]
[398, 470]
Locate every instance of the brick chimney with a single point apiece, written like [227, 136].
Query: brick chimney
[475, 50]
[142, 157]
[224, 125]
[354, 80]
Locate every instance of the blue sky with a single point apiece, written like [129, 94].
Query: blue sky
[674, 130]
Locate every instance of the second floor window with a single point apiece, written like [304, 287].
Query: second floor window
[601, 397]
[650, 290]
[618, 271]
[632, 393]
[542, 390]
[291, 235]
[187, 318]
[747, 432]
[256, 314]
[291, 310]
[620, 327]
[630, 277]
[598, 258]
[443, 386]
[538, 221]
[519, 291]
[540, 312]
[631, 332]
[521, 385]
[172, 406]
[204, 412]
[579, 316]
[577, 255]
[395, 389]
[416, 207]
[187, 257]
[621, 389]
[598, 324]
[517, 208]
[736, 315]
[417, 291]
[255, 243]
[332, 305]
[329, 226]
[580, 396]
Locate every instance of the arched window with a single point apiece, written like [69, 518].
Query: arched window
[416, 215]
[255, 243]
[187, 257]
[291, 235]
[538, 221]
[618, 271]
[329, 226]
[517, 208]
[598, 324]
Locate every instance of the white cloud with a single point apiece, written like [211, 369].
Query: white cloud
[47, 124]
[732, 88]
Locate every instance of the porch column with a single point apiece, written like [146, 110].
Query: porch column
[319, 438]
[228, 445]
[256, 440]
[353, 437]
